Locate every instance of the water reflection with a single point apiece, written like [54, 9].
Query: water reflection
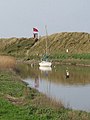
[37, 81]
[45, 68]
[67, 73]
[70, 84]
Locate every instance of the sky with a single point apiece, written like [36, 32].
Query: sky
[18, 17]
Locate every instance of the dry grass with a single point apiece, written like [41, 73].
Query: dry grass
[16, 101]
[28, 48]
[7, 62]
[45, 101]
[75, 42]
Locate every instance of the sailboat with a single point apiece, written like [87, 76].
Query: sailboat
[45, 62]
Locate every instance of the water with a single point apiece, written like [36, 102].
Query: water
[72, 88]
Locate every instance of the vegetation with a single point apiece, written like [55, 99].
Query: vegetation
[17, 47]
[78, 45]
[7, 62]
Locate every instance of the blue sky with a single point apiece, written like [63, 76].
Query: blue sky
[18, 17]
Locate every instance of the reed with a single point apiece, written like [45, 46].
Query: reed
[7, 62]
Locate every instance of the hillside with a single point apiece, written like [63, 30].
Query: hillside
[75, 42]
[17, 47]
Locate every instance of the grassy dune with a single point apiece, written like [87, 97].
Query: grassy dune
[77, 43]
[17, 47]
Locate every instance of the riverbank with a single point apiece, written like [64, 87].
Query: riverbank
[17, 101]
[75, 62]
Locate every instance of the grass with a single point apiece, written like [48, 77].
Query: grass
[59, 56]
[16, 47]
[62, 56]
[81, 56]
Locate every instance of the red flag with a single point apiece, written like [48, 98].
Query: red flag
[35, 30]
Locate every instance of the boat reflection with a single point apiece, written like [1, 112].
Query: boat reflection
[45, 68]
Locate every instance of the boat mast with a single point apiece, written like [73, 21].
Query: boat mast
[46, 39]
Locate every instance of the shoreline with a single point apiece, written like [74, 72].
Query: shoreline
[75, 62]
[30, 102]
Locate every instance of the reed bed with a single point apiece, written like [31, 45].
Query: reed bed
[7, 62]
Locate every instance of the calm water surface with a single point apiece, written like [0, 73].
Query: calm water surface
[72, 91]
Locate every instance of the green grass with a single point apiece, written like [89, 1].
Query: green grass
[59, 56]
[70, 56]
[10, 86]
[81, 56]
[9, 111]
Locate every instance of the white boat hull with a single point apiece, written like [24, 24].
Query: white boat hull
[45, 64]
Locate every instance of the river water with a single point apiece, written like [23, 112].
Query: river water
[72, 90]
